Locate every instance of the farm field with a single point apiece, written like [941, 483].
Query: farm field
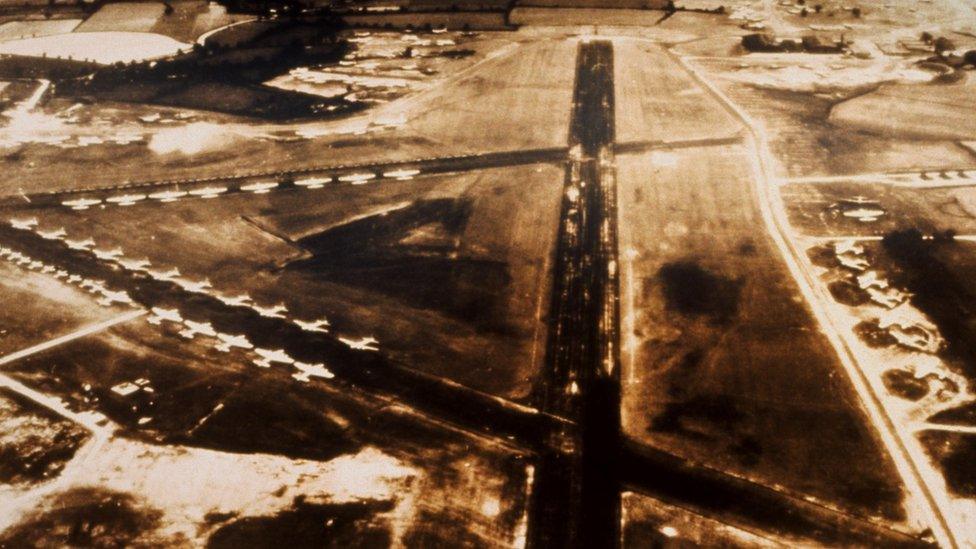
[698, 285]
[523, 96]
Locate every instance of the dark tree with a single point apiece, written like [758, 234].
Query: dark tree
[970, 57]
[943, 44]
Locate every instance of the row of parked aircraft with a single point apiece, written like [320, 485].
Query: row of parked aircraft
[259, 187]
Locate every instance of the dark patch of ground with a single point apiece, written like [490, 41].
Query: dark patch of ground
[692, 290]
[822, 256]
[35, 444]
[961, 415]
[259, 411]
[848, 293]
[905, 385]
[726, 421]
[441, 531]
[88, 517]
[271, 418]
[872, 334]
[411, 254]
[936, 291]
[306, 525]
[955, 453]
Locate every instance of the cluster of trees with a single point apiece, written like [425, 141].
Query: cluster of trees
[818, 8]
[945, 55]
[671, 7]
[810, 44]
[268, 7]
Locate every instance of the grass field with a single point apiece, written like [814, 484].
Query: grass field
[722, 363]
[912, 111]
[522, 99]
[38, 308]
[15, 30]
[124, 17]
[652, 523]
[657, 100]
[813, 209]
[805, 143]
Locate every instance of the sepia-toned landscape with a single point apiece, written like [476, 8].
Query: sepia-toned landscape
[488, 273]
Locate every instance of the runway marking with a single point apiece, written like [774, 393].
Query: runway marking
[87, 330]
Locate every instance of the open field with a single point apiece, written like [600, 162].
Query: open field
[805, 143]
[648, 522]
[438, 4]
[657, 101]
[454, 20]
[830, 209]
[722, 364]
[15, 30]
[523, 97]
[441, 270]
[582, 16]
[912, 111]
[124, 17]
[90, 46]
[38, 307]
[608, 4]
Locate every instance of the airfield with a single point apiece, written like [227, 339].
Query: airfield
[599, 279]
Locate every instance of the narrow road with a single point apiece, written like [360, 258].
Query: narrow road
[87, 330]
